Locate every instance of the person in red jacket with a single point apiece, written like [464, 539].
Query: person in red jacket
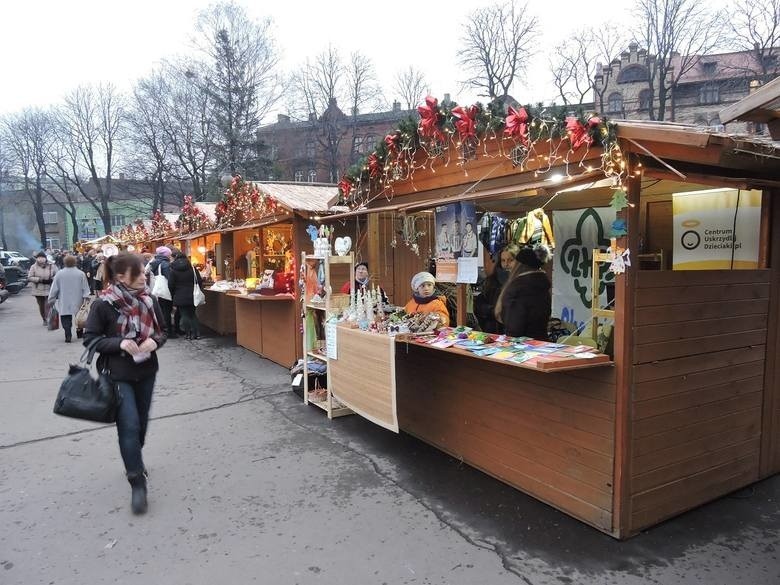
[423, 299]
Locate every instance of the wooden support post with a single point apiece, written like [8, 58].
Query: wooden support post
[461, 304]
[625, 291]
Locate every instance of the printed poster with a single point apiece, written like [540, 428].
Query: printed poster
[456, 231]
[716, 229]
[577, 234]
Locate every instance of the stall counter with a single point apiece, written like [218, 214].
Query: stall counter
[266, 325]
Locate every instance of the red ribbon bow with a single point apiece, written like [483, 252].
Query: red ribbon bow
[577, 133]
[429, 119]
[516, 125]
[345, 186]
[391, 140]
[465, 121]
[373, 165]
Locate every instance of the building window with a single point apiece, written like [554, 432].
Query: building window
[709, 94]
[615, 103]
[357, 145]
[312, 176]
[50, 217]
[273, 152]
[298, 176]
[645, 96]
[118, 221]
[53, 243]
[369, 142]
[311, 150]
[633, 73]
[709, 68]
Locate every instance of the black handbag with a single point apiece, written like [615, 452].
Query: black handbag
[81, 396]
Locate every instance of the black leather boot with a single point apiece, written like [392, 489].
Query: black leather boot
[138, 484]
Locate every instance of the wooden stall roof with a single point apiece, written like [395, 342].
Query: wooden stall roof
[302, 196]
[763, 105]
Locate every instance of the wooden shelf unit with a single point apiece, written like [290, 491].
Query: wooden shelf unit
[324, 310]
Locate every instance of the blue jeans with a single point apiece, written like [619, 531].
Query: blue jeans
[132, 418]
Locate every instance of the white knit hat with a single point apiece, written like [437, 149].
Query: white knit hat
[420, 278]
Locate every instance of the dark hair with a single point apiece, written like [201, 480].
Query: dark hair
[120, 264]
[69, 261]
[40, 254]
[359, 264]
[530, 258]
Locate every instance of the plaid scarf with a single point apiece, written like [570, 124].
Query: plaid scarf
[137, 319]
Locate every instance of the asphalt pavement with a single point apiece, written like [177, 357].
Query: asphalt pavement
[248, 485]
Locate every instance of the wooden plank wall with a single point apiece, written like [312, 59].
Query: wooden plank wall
[549, 435]
[770, 447]
[699, 353]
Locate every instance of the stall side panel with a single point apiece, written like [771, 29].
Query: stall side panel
[549, 435]
[699, 351]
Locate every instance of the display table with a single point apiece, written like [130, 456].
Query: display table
[219, 312]
[266, 325]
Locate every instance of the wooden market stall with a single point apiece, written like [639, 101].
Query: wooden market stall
[687, 409]
[260, 229]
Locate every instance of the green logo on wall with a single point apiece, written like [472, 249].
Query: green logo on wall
[576, 258]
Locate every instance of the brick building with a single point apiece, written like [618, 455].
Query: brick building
[321, 149]
[622, 89]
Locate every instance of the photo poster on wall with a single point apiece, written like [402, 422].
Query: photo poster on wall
[456, 231]
[716, 229]
[577, 233]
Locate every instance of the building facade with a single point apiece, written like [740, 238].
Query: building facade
[321, 149]
[622, 88]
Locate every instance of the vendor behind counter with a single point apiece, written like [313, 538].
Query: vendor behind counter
[525, 303]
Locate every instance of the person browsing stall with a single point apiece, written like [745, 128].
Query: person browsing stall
[362, 281]
[424, 300]
[525, 304]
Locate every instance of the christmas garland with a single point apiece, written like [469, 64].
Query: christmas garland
[191, 218]
[242, 200]
[161, 227]
[523, 134]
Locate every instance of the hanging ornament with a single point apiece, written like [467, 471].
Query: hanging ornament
[466, 122]
[429, 119]
[518, 155]
[619, 200]
[619, 228]
[374, 166]
[435, 148]
[345, 187]
[619, 258]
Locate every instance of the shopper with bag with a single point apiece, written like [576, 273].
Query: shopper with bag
[158, 272]
[185, 283]
[69, 290]
[130, 322]
[41, 275]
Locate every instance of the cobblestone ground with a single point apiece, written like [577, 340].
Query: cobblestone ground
[248, 485]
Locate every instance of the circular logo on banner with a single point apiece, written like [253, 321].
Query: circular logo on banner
[690, 240]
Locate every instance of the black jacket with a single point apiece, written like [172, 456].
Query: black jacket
[527, 305]
[485, 305]
[102, 321]
[181, 282]
[160, 260]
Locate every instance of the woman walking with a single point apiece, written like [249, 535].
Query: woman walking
[182, 285]
[127, 324]
[41, 274]
[69, 290]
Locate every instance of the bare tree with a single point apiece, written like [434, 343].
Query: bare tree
[58, 170]
[411, 86]
[677, 33]
[497, 43]
[608, 41]
[755, 27]
[241, 79]
[362, 90]
[27, 135]
[93, 119]
[5, 172]
[576, 61]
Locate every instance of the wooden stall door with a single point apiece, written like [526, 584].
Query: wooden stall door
[698, 388]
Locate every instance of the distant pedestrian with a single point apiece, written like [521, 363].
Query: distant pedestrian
[127, 322]
[69, 290]
[41, 275]
[182, 285]
[161, 265]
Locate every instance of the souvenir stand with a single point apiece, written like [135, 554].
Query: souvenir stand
[259, 230]
[686, 407]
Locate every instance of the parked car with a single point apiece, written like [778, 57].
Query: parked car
[13, 258]
[15, 278]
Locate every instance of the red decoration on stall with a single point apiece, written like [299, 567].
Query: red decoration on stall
[345, 186]
[192, 218]
[391, 140]
[374, 166]
[516, 125]
[429, 119]
[466, 121]
[243, 200]
[577, 133]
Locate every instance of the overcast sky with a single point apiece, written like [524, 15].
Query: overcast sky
[48, 47]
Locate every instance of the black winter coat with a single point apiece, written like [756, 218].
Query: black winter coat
[485, 305]
[181, 282]
[160, 260]
[102, 321]
[527, 305]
